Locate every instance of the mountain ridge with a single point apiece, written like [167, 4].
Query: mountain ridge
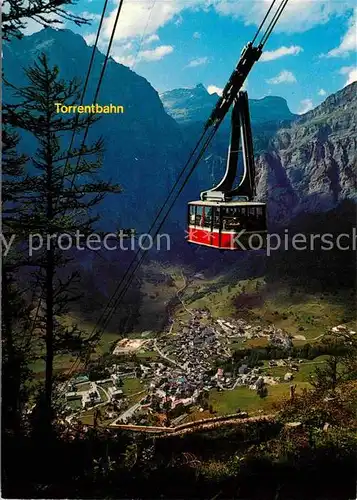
[303, 163]
[311, 164]
[187, 105]
[143, 145]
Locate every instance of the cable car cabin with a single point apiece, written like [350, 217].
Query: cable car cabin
[218, 224]
[226, 217]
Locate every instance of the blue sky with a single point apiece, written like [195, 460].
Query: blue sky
[180, 43]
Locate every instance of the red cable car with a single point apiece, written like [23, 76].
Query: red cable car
[226, 217]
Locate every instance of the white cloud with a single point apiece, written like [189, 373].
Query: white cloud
[90, 38]
[32, 26]
[144, 56]
[298, 16]
[213, 89]
[352, 77]
[138, 17]
[179, 21]
[127, 60]
[351, 72]
[349, 40]
[134, 18]
[196, 35]
[128, 46]
[151, 38]
[305, 106]
[156, 54]
[271, 55]
[283, 77]
[345, 70]
[90, 16]
[197, 62]
[322, 92]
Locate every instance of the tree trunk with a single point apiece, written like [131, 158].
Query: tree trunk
[11, 364]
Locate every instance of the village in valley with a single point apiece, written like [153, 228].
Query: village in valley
[169, 378]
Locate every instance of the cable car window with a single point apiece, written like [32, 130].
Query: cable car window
[216, 217]
[199, 212]
[230, 218]
[206, 217]
[252, 211]
[192, 218]
[229, 211]
[259, 211]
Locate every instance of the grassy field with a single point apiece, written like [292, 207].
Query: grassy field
[304, 314]
[75, 404]
[305, 370]
[293, 310]
[108, 339]
[227, 402]
[132, 386]
[61, 364]
[147, 356]
[85, 386]
[106, 385]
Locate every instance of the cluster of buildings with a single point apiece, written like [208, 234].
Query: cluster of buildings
[186, 372]
[90, 394]
[196, 346]
[242, 329]
[342, 329]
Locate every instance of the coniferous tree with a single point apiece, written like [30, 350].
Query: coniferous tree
[340, 366]
[16, 348]
[17, 13]
[59, 208]
[16, 341]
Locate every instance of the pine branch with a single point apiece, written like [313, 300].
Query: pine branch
[16, 13]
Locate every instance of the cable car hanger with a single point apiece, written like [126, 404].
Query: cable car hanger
[223, 211]
[250, 55]
[241, 133]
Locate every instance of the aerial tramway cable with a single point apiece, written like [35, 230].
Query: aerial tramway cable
[263, 21]
[143, 36]
[89, 70]
[99, 82]
[105, 317]
[90, 66]
[127, 279]
[110, 308]
[273, 22]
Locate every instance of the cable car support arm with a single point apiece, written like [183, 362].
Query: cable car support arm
[249, 56]
[240, 133]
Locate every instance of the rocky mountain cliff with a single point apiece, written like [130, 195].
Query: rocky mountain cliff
[303, 164]
[311, 166]
[188, 105]
[195, 105]
[191, 108]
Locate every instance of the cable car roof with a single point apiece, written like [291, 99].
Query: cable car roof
[227, 203]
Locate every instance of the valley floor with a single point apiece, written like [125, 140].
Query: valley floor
[183, 306]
